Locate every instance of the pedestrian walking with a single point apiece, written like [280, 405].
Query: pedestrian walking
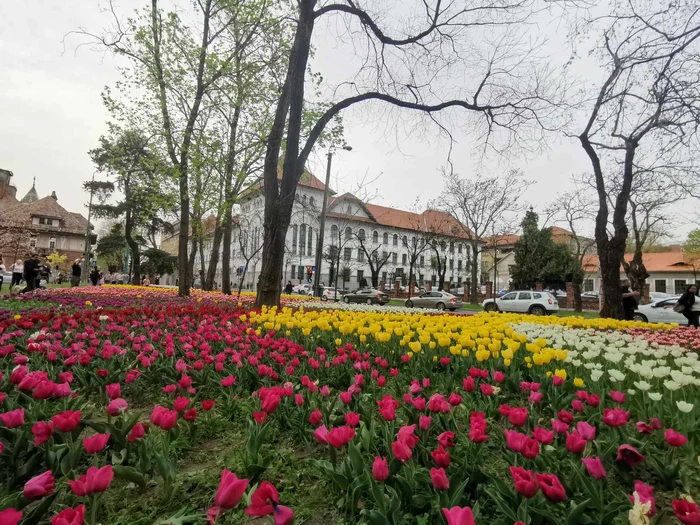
[31, 274]
[689, 306]
[629, 300]
[2, 278]
[288, 288]
[17, 272]
[76, 271]
[94, 276]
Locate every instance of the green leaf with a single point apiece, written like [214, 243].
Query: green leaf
[376, 518]
[38, 512]
[253, 471]
[358, 465]
[163, 466]
[576, 512]
[129, 474]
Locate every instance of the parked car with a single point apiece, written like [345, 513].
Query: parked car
[330, 294]
[434, 299]
[366, 295]
[658, 296]
[660, 312]
[6, 278]
[590, 296]
[525, 301]
[303, 289]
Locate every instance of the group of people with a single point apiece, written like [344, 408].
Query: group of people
[688, 304]
[33, 271]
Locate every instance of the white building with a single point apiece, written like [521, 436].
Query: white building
[354, 232]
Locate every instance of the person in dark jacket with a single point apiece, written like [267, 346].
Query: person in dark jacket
[31, 273]
[688, 300]
[94, 276]
[76, 271]
[629, 300]
[288, 288]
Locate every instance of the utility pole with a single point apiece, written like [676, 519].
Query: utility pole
[319, 249]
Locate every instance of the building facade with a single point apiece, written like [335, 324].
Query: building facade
[356, 233]
[37, 225]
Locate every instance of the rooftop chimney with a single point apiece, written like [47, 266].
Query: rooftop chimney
[53, 196]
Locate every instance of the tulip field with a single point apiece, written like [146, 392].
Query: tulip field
[129, 405]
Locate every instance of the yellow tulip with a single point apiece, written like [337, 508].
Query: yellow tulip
[578, 382]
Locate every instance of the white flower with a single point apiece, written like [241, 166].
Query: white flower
[596, 375]
[684, 407]
[631, 392]
[671, 385]
[662, 371]
[654, 396]
[616, 375]
[638, 514]
[642, 385]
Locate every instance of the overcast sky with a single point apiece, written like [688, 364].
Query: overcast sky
[52, 115]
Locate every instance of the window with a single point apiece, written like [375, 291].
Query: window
[334, 233]
[360, 255]
[452, 264]
[384, 276]
[311, 202]
[385, 256]
[52, 242]
[375, 236]
[422, 260]
[459, 265]
[421, 280]
[509, 297]
[294, 271]
[375, 258]
[452, 247]
[303, 201]
[347, 254]
[361, 234]
[333, 252]
[537, 295]
[310, 244]
[348, 233]
[385, 238]
[588, 285]
[414, 241]
[294, 239]
[302, 239]
[32, 241]
[42, 220]
[394, 257]
[360, 276]
[660, 285]
[525, 296]
[404, 259]
[459, 248]
[349, 210]
[443, 246]
[679, 286]
[433, 280]
[395, 240]
[405, 240]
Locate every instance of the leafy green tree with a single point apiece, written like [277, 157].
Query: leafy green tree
[111, 248]
[538, 259]
[158, 262]
[691, 252]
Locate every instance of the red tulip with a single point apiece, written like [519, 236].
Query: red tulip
[96, 480]
[618, 397]
[228, 381]
[264, 502]
[646, 495]
[535, 397]
[352, 419]
[629, 455]
[406, 435]
[346, 397]
[117, 407]
[486, 389]
[565, 416]
[418, 403]
[340, 436]
[577, 406]
[315, 417]
[441, 457]
[69, 516]
[39, 486]
[593, 400]
[499, 376]
[298, 400]
[447, 439]
[13, 419]
[208, 404]
[504, 410]
[424, 422]
[595, 468]
[559, 426]
[439, 478]
[514, 440]
[454, 399]
[260, 417]
[114, 390]
[66, 421]
[380, 469]
[137, 432]
[45, 390]
[321, 434]
[96, 443]
[270, 403]
[575, 443]
[181, 403]
[388, 413]
[586, 431]
[459, 516]
[437, 403]
[10, 517]
[401, 451]
[615, 417]
[524, 481]
[551, 487]
[42, 432]
[517, 416]
[190, 415]
[675, 439]
[468, 384]
[230, 491]
[531, 448]
[686, 511]
[543, 435]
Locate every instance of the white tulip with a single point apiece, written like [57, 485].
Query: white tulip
[654, 396]
[642, 385]
[684, 407]
[671, 385]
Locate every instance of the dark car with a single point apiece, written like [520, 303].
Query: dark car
[366, 295]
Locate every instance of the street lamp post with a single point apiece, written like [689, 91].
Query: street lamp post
[319, 248]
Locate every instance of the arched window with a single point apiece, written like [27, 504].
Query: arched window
[361, 234]
[294, 239]
[443, 245]
[334, 234]
[311, 202]
[385, 238]
[396, 240]
[302, 239]
[349, 210]
[414, 242]
[348, 233]
[375, 236]
[459, 248]
[405, 241]
[303, 200]
[309, 242]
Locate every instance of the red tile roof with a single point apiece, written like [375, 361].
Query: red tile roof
[654, 262]
[307, 179]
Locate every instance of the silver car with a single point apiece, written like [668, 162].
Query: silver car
[435, 299]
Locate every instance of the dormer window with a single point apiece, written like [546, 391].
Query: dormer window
[349, 210]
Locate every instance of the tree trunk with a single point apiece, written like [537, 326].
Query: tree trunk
[576, 282]
[201, 265]
[245, 270]
[279, 202]
[190, 262]
[474, 267]
[133, 246]
[214, 258]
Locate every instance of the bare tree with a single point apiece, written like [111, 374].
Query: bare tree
[510, 91]
[650, 97]
[376, 259]
[576, 208]
[480, 205]
[250, 246]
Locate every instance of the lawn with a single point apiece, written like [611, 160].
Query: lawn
[133, 406]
